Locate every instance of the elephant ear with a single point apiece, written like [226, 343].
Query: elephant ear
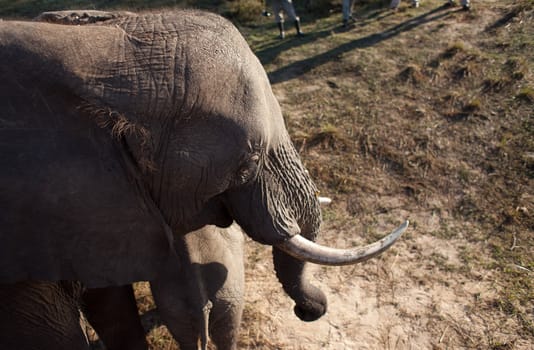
[69, 207]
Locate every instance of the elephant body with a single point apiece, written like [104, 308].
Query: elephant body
[41, 315]
[120, 136]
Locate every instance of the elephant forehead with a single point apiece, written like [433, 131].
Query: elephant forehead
[255, 108]
[240, 109]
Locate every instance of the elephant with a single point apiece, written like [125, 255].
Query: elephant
[203, 297]
[203, 293]
[118, 138]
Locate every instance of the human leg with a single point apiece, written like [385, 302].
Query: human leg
[394, 4]
[347, 11]
[292, 15]
[278, 18]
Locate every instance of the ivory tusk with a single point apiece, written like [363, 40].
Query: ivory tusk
[324, 200]
[306, 250]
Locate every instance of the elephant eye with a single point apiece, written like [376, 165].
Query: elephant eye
[248, 170]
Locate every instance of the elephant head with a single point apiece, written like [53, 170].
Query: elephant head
[167, 123]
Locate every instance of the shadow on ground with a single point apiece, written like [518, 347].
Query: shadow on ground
[271, 49]
[298, 68]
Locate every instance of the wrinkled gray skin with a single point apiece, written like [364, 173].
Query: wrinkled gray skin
[30, 321]
[203, 292]
[113, 136]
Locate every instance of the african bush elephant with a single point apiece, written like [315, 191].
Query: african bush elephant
[118, 138]
[202, 294]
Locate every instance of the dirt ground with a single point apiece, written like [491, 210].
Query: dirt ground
[410, 298]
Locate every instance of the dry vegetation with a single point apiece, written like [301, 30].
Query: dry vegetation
[426, 114]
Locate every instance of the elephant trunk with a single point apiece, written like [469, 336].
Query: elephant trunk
[310, 301]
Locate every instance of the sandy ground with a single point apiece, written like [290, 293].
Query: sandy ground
[417, 295]
[412, 297]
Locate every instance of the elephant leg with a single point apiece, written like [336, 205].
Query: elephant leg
[224, 332]
[41, 315]
[112, 312]
[175, 312]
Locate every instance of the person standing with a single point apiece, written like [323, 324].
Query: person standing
[286, 6]
[347, 12]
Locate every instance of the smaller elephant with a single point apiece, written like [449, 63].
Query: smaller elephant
[202, 294]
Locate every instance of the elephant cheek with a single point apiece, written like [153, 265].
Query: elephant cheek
[213, 213]
[262, 218]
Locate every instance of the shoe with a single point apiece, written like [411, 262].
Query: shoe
[297, 27]
[347, 23]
